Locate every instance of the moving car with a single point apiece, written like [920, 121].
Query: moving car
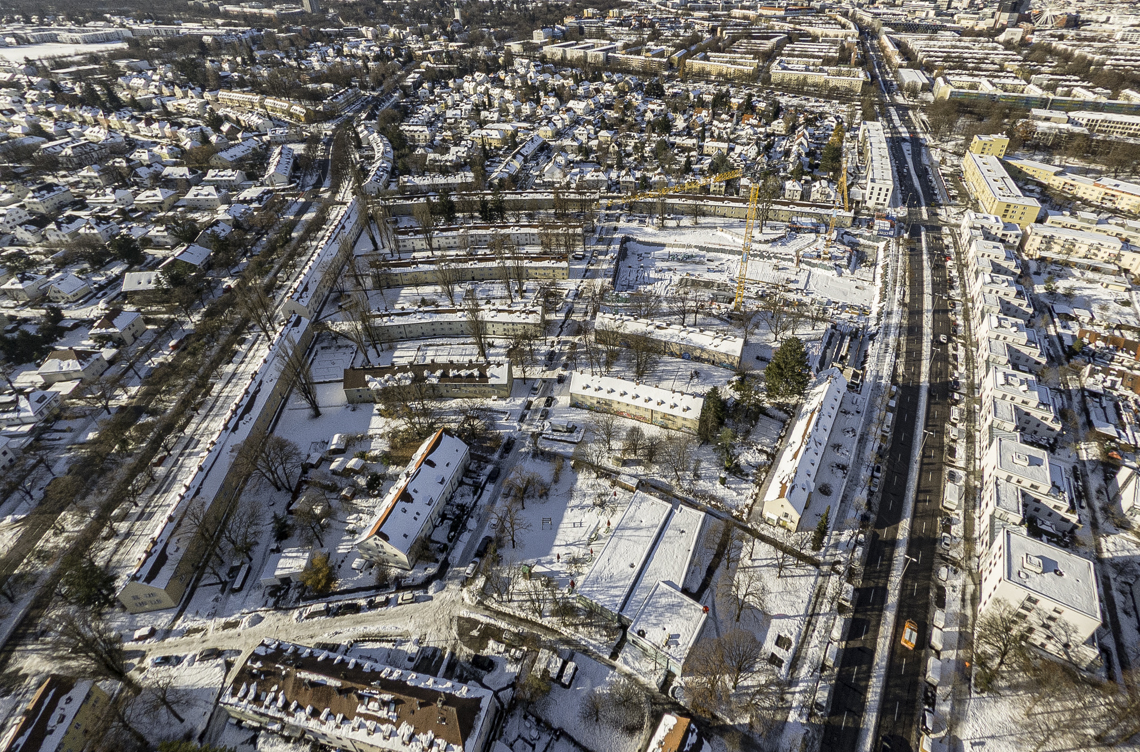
[910, 634]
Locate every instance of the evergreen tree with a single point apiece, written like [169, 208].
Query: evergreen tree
[821, 530]
[787, 375]
[713, 413]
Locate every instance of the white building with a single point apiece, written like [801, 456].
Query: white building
[72, 365]
[792, 478]
[67, 288]
[121, 326]
[280, 167]
[1053, 593]
[411, 508]
[1022, 483]
[702, 345]
[1013, 402]
[877, 162]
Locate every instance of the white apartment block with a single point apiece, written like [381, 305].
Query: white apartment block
[1013, 402]
[880, 184]
[424, 323]
[1053, 592]
[794, 473]
[1046, 489]
[412, 508]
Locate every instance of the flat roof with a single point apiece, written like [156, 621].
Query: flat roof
[997, 180]
[669, 559]
[616, 569]
[706, 339]
[1065, 578]
[669, 620]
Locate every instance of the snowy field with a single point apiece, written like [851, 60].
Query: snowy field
[56, 50]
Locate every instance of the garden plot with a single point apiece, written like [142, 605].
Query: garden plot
[578, 712]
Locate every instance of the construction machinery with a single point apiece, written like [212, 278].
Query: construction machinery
[746, 248]
[841, 191]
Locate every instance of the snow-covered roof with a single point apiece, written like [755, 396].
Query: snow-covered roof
[403, 510]
[357, 703]
[795, 472]
[1049, 571]
[669, 620]
[670, 557]
[639, 395]
[705, 339]
[48, 717]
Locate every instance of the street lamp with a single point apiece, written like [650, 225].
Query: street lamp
[922, 445]
[906, 564]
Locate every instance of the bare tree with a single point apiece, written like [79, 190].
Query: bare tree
[413, 405]
[769, 192]
[776, 314]
[426, 220]
[253, 302]
[312, 512]
[523, 484]
[645, 353]
[745, 591]
[790, 541]
[243, 530]
[295, 370]
[510, 522]
[634, 438]
[644, 305]
[447, 277]
[741, 655]
[475, 324]
[606, 429]
[677, 454]
[520, 352]
[358, 317]
[275, 459]
[999, 637]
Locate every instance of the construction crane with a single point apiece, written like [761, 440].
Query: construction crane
[841, 191]
[746, 248]
[688, 187]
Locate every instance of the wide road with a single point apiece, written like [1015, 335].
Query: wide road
[900, 710]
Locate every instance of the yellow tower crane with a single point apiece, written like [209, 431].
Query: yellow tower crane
[840, 192]
[746, 248]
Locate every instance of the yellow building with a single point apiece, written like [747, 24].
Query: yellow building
[994, 146]
[64, 716]
[995, 190]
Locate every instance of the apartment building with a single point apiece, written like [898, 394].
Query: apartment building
[788, 72]
[1102, 191]
[630, 399]
[433, 381]
[1108, 123]
[1053, 593]
[1063, 245]
[1014, 402]
[795, 470]
[64, 715]
[328, 701]
[412, 508]
[993, 146]
[1006, 342]
[688, 343]
[1044, 495]
[880, 185]
[995, 190]
[423, 323]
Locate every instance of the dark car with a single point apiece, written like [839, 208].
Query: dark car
[549, 401]
[483, 546]
[209, 654]
[494, 474]
[352, 607]
[482, 662]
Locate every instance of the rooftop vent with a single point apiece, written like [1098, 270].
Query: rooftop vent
[1033, 564]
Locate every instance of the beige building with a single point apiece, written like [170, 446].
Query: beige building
[1013, 402]
[423, 323]
[1053, 593]
[648, 404]
[995, 190]
[994, 146]
[1103, 191]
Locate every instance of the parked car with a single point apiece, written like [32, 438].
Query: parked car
[472, 568]
[494, 474]
[484, 544]
[209, 654]
[166, 660]
[482, 662]
[406, 598]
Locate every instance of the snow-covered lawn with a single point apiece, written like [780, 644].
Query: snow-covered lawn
[563, 708]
